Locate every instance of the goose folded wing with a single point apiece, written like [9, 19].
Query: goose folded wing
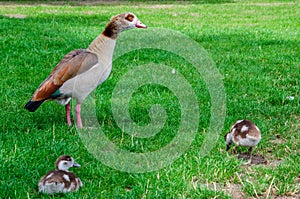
[73, 64]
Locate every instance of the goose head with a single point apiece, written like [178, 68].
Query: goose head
[228, 140]
[65, 162]
[122, 22]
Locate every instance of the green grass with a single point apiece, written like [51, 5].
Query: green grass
[255, 46]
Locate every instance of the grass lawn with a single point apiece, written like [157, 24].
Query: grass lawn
[255, 47]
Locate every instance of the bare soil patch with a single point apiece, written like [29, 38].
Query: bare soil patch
[230, 188]
[18, 16]
[256, 159]
[273, 4]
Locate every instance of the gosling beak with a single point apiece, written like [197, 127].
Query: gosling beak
[76, 164]
[227, 147]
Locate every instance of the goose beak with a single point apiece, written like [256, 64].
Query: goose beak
[139, 24]
[76, 164]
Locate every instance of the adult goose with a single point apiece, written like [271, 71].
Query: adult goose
[82, 70]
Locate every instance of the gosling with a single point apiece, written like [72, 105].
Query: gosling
[61, 179]
[243, 133]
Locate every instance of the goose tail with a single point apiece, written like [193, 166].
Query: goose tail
[33, 105]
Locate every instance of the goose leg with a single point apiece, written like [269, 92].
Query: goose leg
[234, 150]
[250, 157]
[78, 116]
[68, 108]
[250, 153]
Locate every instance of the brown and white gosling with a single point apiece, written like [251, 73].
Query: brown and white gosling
[243, 133]
[60, 180]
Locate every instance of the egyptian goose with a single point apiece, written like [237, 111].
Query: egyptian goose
[60, 180]
[82, 70]
[243, 133]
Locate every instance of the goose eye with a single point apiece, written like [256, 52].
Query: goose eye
[129, 17]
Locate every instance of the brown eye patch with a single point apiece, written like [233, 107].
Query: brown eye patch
[129, 17]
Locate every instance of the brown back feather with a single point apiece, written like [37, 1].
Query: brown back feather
[74, 63]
